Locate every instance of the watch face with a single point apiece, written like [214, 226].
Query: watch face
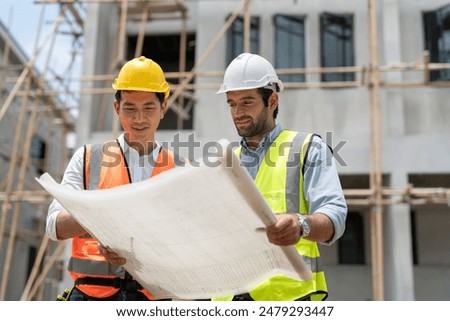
[305, 225]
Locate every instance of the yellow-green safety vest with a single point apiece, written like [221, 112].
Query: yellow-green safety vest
[280, 181]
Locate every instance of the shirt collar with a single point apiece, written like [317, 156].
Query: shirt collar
[267, 139]
[127, 149]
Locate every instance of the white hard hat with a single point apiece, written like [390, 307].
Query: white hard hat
[249, 71]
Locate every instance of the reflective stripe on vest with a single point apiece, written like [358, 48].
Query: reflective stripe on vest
[104, 167]
[280, 181]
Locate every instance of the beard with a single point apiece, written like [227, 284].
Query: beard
[254, 127]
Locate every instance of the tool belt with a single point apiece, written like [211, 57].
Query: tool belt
[118, 283]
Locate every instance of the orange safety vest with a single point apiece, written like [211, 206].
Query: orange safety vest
[105, 167]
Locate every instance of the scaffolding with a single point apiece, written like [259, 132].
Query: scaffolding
[72, 15]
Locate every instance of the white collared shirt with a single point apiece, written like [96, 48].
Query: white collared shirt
[141, 167]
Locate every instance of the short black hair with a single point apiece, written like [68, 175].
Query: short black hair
[160, 96]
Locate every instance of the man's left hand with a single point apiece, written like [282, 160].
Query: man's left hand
[111, 256]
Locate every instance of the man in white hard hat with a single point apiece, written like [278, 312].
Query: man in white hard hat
[294, 171]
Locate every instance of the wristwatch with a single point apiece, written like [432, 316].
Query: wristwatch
[305, 225]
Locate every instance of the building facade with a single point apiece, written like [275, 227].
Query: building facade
[308, 36]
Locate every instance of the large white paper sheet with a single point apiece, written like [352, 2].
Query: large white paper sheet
[188, 233]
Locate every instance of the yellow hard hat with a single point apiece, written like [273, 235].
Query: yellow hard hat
[142, 74]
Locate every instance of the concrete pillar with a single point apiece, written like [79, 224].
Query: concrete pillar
[398, 262]
[391, 51]
[88, 68]
[398, 256]
[98, 51]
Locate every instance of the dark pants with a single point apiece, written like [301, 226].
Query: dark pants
[121, 295]
[247, 297]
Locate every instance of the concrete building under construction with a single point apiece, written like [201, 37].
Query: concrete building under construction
[371, 77]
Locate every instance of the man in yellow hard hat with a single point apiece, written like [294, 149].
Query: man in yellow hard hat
[140, 103]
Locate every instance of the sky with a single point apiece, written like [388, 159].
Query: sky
[21, 18]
